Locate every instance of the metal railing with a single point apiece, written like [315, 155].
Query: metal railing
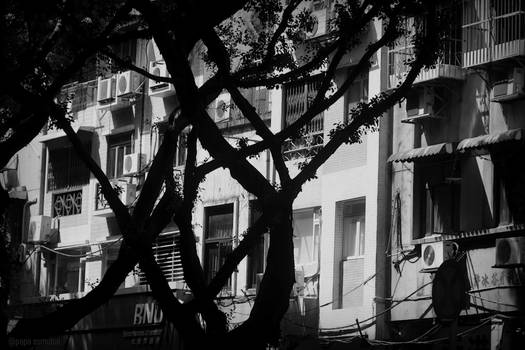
[79, 96]
[492, 30]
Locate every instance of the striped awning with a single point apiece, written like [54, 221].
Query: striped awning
[487, 140]
[423, 152]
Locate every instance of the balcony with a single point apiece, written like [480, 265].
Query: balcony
[78, 96]
[493, 31]
[308, 144]
[447, 67]
[127, 194]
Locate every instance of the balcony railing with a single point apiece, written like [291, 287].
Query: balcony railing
[448, 65]
[309, 143]
[79, 96]
[493, 30]
[67, 203]
[297, 98]
[259, 98]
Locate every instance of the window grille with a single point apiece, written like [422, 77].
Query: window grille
[259, 98]
[65, 169]
[79, 96]
[67, 203]
[297, 98]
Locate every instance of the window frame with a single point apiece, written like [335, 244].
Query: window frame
[257, 255]
[114, 143]
[82, 177]
[220, 242]
[364, 90]
[360, 235]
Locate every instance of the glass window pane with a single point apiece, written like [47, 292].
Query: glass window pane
[303, 237]
[354, 228]
[220, 225]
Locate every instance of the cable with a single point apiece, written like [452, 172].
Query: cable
[381, 313]
[491, 301]
[431, 341]
[79, 255]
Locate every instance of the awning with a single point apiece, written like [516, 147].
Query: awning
[54, 135]
[423, 152]
[487, 140]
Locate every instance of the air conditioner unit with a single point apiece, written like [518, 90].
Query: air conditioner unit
[510, 252]
[127, 83]
[435, 253]
[132, 162]
[159, 88]
[420, 104]
[39, 228]
[319, 14]
[510, 89]
[222, 108]
[105, 92]
[127, 192]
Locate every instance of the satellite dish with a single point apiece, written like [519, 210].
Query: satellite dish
[449, 290]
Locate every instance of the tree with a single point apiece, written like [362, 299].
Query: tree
[240, 59]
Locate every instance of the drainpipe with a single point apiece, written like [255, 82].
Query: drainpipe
[25, 223]
[25, 230]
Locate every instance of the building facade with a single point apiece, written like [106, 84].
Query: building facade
[440, 181]
[457, 184]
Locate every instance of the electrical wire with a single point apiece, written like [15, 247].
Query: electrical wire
[431, 341]
[89, 254]
[491, 301]
[381, 313]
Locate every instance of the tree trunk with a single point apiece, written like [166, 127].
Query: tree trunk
[271, 303]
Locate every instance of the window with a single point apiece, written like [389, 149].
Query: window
[65, 170]
[218, 238]
[357, 93]
[297, 98]
[306, 231]
[354, 228]
[182, 148]
[68, 274]
[350, 260]
[255, 259]
[67, 203]
[439, 188]
[118, 147]
[259, 98]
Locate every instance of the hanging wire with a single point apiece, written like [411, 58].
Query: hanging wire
[88, 254]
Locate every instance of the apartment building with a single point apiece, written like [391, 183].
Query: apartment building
[69, 236]
[440, 181]
[457, 183]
